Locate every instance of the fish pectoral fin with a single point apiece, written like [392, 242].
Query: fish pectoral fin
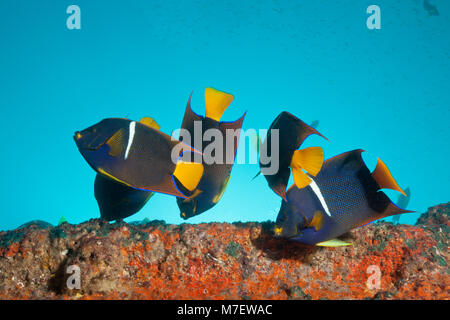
[317, 221]
[116, 143]
[310, 159]
[384, 178]
[301, 179]
[189, 174]
[150, 122]
[195, 194]
[334, 243]
[216, 102]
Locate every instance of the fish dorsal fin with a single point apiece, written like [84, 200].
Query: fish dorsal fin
[216, 102]
[150, 122]
[333, 243]
[317, 221]
[301, 179]
[309, 159]
[384, 178]
[116, 143]
[189, 174]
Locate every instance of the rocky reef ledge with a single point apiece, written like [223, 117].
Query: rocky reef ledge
[153, 260]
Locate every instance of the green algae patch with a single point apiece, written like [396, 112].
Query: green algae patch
[233, 249]
[441, 261]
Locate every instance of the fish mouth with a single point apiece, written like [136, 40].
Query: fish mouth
[77, 137]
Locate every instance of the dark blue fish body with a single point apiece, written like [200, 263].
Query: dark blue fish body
[137, 155]
[342, 196]
[116, 200]
[216, 175]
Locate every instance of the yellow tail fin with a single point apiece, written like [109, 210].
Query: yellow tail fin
[301, 180]
[310, 159]
[384, 178]
[189, 174]
[216, 102]
[150, 122]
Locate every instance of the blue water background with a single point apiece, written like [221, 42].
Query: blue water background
[386, 91]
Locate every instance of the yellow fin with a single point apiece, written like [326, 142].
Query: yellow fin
[333, 243]
[317, 221]
[216, 102]
[309, 159]
[301, 180]
[150, 122]
[116, 144]
[384, 178]
[189, 174]
[278, 230]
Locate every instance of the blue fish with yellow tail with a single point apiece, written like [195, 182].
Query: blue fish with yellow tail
[216, 177]
[138, 156]
[117, 201]
[342, 196]
[292, 132]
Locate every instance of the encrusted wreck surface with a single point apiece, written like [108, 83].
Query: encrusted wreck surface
[223, 261]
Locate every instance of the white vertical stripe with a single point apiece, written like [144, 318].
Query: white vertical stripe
[319, 195]
[130, 138]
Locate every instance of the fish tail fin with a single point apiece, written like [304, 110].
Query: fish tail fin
[310, 159]
[150, 122]
[216, 102]
[301, 179]
[384, 178]
[189, 174]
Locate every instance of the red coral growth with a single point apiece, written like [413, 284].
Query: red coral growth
[222, 261]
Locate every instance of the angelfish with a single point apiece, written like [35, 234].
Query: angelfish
[217, 175]
[342, 196]
[116, 200]
[292, 132]
[138, 156]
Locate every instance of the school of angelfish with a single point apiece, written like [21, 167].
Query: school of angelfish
[134, 159]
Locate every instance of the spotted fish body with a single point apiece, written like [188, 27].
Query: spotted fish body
[344, 195]
[216, 175]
